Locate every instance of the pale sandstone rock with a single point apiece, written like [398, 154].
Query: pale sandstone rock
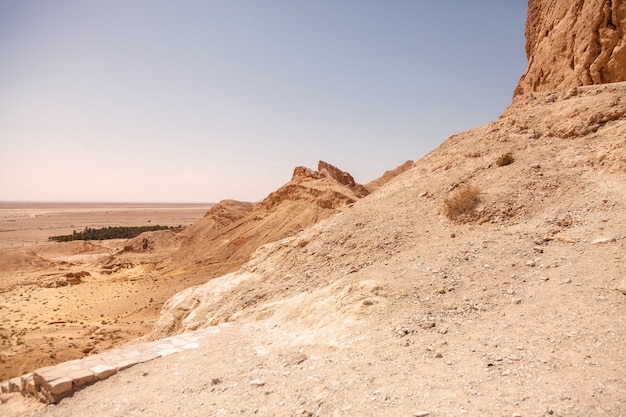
[81, 377]
[103, 371]
[28, 383]
[59, 386]
[574, 43]
[15, 384]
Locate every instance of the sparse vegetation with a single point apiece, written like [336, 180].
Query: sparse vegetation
[505, 159]
[110, 233]
[462, 201]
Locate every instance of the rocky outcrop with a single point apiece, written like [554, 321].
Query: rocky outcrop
[232, 230]
[574, 43]
[328, 187]
[310, 196]
[342, 178]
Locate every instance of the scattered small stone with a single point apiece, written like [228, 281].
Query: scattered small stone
[506, 373]
[257, 383]
[538, 249]
[402, 331]
[297, 359]
[516, 415]
[427, 325]
[530, 263]
[602, 240]
[622, 286]
[216, 381]
[421, 414]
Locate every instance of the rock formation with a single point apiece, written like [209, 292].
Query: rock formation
[213, 247]
[590, 118]
[574, 43]
[232, 230]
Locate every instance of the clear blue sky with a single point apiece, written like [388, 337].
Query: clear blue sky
[197, 101]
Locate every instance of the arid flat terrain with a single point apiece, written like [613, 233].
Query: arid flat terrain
[57, 302]
[24, 223]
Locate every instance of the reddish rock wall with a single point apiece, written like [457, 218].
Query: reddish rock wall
[574, 43]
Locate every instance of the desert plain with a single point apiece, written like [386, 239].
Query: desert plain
[57, 302]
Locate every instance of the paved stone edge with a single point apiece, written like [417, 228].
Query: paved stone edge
[51, 384]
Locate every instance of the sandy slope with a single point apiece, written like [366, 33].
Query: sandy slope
[60, 301]
[389, 308]
[65, 301]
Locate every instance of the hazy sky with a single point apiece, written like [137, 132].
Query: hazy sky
[197, 101]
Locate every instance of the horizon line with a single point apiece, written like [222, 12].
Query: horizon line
[103, 202]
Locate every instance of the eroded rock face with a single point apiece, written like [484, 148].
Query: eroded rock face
[571, 43]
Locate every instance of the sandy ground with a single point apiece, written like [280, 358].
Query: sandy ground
[57, 301]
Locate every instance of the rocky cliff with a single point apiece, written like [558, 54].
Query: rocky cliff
[572, 43]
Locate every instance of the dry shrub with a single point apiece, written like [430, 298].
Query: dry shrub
[461, 202]
[506, 159]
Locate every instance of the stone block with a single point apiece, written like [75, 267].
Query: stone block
[15, 384]
[47, 373]
[28, 383]
[171, 350]
[164, 346]
[125, 364]
[4, 387]
[81, 377]
[52, 383]
[111, 357]
[148, 356]
[103, 371]
[131, 353]
[60, 386]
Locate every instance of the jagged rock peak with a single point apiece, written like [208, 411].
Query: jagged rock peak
[304, 172]
[572, 43]
[335, 173]
[326, 170]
